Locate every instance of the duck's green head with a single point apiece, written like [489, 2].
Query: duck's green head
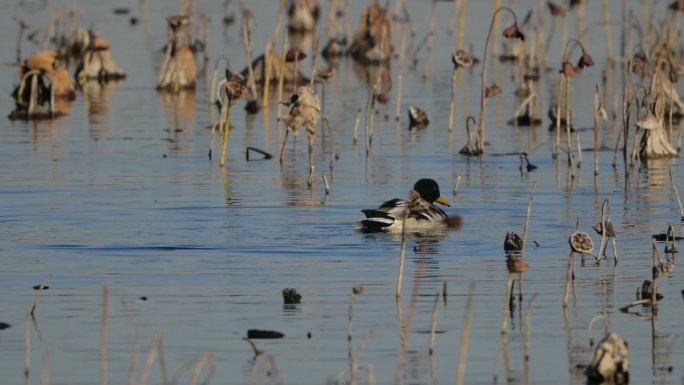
[429, 190]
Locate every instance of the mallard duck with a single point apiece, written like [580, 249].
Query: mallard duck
[422, 210]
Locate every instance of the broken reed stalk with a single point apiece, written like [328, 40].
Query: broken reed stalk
[452, 102]
[354, 380]
[483, 86]
[402, 254]
[311, 164]
[430, 38]
[433, 325]
[349, 326]
[507, 303]
[568, 273]
[314, 59]
[332, 19]
[674, 187]
[149, 361]
[465, 335]
[208, 358]
[356, 127]
[654, 269]
[27, 350]
[325, 183]
[556, 145]
[579, 150]
[607, 30]
[400, 75]
[247, 19]
[527, 220]
[225, 114]
[567, 125]
[45, 374]
[136, 348]
[212, 93]
[104, 334]
[458, 182]
[604, 244]
[369, 118]
[281, 82]
[269, 53]
[597, 105]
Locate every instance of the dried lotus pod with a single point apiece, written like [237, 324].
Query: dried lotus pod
[581, 242]
[233, 91]
[585, 61]
[418, 118]
[493, 90]
[610, 230]
[513, 32]
[570, 70]
[460, 58]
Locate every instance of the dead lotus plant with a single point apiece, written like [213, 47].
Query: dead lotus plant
[568, 71]
[305, 112]
[511, 32]
[178, 71]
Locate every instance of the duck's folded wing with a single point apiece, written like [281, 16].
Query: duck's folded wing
[385, 215]
[392, 209]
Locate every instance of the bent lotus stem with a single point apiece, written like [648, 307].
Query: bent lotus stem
[483, 86]
[567, 104]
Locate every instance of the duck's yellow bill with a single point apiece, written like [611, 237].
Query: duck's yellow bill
[443, 201]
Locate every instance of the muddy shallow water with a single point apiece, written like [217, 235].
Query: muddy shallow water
[122, 191]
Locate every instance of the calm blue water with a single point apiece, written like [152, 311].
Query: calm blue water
[122, 191]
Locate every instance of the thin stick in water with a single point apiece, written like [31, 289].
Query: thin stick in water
[433, 325]
[465, 334]
[325, 183]
[104, 334]
[674, 187]
[356, 126]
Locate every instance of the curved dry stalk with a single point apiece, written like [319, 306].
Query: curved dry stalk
[606, 322]
[483, 86]
[674, 187]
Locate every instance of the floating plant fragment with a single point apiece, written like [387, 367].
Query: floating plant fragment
[290, 296]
